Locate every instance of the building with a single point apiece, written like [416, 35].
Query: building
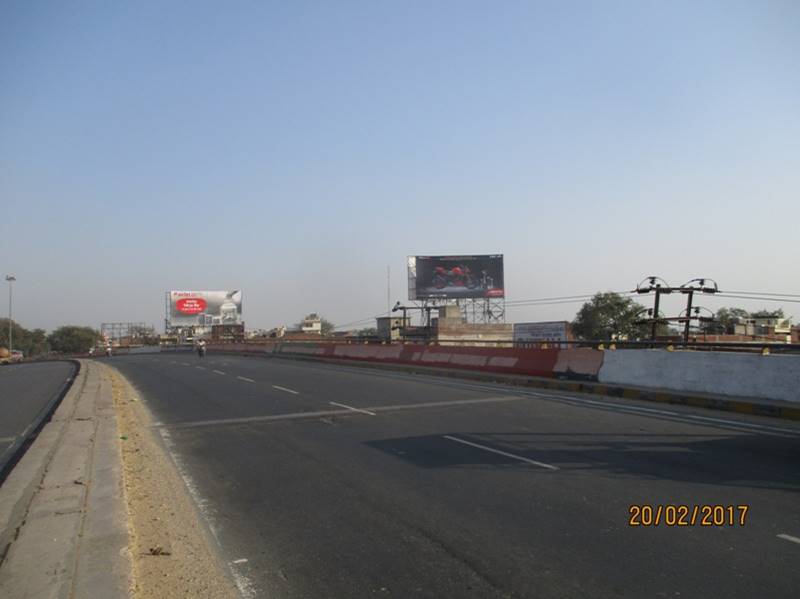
[311, 325]
[778, 329]
[390, 327]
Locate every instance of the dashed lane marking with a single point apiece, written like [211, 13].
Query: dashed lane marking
[285, 389]
[790, 538]
[341, 405]
[327, 413]
[244, 378]
[503, 453]
[218, 372]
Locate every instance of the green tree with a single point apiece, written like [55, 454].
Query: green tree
[31, 343]
[609, 316]
[73, 339]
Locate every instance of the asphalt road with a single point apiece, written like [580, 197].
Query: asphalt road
[327, 481]
[25, 390]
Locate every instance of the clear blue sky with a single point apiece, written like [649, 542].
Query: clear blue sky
[295, 149]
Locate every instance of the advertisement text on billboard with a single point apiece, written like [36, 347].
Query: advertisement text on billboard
[203, 308]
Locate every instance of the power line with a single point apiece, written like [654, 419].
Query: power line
[763, 293]
[362, 321]
[581, 297]
[759, 298]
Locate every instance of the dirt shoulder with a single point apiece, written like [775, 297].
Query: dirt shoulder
[172, 551]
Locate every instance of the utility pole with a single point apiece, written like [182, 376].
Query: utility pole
[655, 314]
[688, 315]
[660, 286]
[10, 279]
[388, 289]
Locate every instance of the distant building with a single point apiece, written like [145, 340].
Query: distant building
[390, 327]
[311, 325]
[779, 329]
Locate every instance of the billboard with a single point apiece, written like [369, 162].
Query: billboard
[203, 308]
[539, 332]
[452, 277]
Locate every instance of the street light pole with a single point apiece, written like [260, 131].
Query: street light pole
[10, 279]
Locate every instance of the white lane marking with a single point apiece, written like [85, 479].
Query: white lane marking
[242, 560]
[327, 413]
[577, 401]
[6, 439]
[200, 367]
[503, 453]
[341, 405]
[789, 538]
[218, 371]
[244, 378]
[745, 424]
[185, 364]
[444, 404]
[285, 389]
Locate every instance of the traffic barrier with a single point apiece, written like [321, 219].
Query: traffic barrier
[729, 381]
[529, 361]
[775, 377]
[580, 363]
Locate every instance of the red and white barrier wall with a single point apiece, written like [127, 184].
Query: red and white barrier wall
[580, 363]
[720, 373]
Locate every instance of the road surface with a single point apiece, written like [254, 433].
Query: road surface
[26, 390]
[328, 481]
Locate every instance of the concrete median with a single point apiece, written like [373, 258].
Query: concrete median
[62, 514]
[97, 508]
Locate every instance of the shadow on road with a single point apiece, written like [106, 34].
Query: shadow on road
[740, 460]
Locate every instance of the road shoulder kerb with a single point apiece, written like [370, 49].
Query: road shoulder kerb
[756, 407]
[21, 483]
[62, 504]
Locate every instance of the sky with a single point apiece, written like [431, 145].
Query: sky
[294, 150]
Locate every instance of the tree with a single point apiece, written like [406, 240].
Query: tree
[609, 316]
[725, 321]
[73, 339]
[31, 343]
[327, 326]
[367, 332]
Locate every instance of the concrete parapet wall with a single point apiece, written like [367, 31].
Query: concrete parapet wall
[720, 373]
[736, 375]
